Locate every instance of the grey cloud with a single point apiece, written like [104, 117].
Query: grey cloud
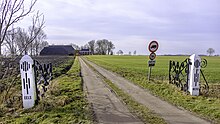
[132, 23]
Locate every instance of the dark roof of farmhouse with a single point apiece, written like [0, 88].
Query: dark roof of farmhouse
[58, 50]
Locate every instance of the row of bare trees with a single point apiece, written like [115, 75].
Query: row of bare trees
[19, 41]
[101, 47]
[16, 39]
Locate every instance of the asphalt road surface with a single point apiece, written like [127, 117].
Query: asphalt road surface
[107, 107]
[170, 113]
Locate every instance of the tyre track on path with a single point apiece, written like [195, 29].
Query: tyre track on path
[107, 107]
[170, 113]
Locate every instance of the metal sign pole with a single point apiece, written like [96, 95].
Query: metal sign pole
[149, 73]
[152, 47]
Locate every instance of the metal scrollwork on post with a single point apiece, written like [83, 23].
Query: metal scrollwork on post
[204, 87]
[179, 75]
[43, 75]
[203, 63]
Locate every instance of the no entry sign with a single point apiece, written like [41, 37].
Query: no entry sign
[152, 56]
[153, 46]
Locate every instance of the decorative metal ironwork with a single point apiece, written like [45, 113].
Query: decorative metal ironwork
[203, 63]
[179, 75]
[204, 87]
[43, 75]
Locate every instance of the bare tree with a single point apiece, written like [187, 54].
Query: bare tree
[110, 47]
[85, 46]
[41, 36]
[101, 47]
[120, 52]
[22, 40]
[98, 46]
[26, 39]
[104, 47]
[10, 41]
[76, 47]
[12, 11]
[43, 44]
[36, 30]
[135, 52]
[210, 51]
[92, 46]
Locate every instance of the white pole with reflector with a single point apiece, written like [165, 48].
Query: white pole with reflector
[194, 74]
[28, 81]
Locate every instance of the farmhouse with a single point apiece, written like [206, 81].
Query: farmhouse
[65, 50]
[85, 52]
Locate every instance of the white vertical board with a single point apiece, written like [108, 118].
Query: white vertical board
[28, 81]
[194, 75]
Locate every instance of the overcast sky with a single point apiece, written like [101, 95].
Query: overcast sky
[180, 26]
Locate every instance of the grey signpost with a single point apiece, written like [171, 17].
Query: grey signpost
[28, 81]
[152, 47]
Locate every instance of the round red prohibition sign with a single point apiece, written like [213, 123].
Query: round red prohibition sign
[152, 56]
[153, 46]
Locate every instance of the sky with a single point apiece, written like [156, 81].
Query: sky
[179, 26]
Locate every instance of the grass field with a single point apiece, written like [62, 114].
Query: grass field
[139, 65]
[135, 68]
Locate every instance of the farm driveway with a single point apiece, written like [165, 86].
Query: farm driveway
[107, 107]
[170, 113]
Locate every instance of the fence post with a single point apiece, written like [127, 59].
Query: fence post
[28, 81]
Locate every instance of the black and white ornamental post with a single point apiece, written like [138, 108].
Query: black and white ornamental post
[28, 82]
[194, 75]
[152, 47]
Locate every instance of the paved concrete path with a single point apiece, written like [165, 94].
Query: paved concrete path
[170, 113]
[107, 107]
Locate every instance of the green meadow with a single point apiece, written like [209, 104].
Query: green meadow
[139, 64]
[135, 68]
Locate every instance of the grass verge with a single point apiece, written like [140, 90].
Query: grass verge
[12, 90]
[138, 109]
[64, 103]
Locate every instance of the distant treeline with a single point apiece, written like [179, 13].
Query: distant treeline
[99, 47]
